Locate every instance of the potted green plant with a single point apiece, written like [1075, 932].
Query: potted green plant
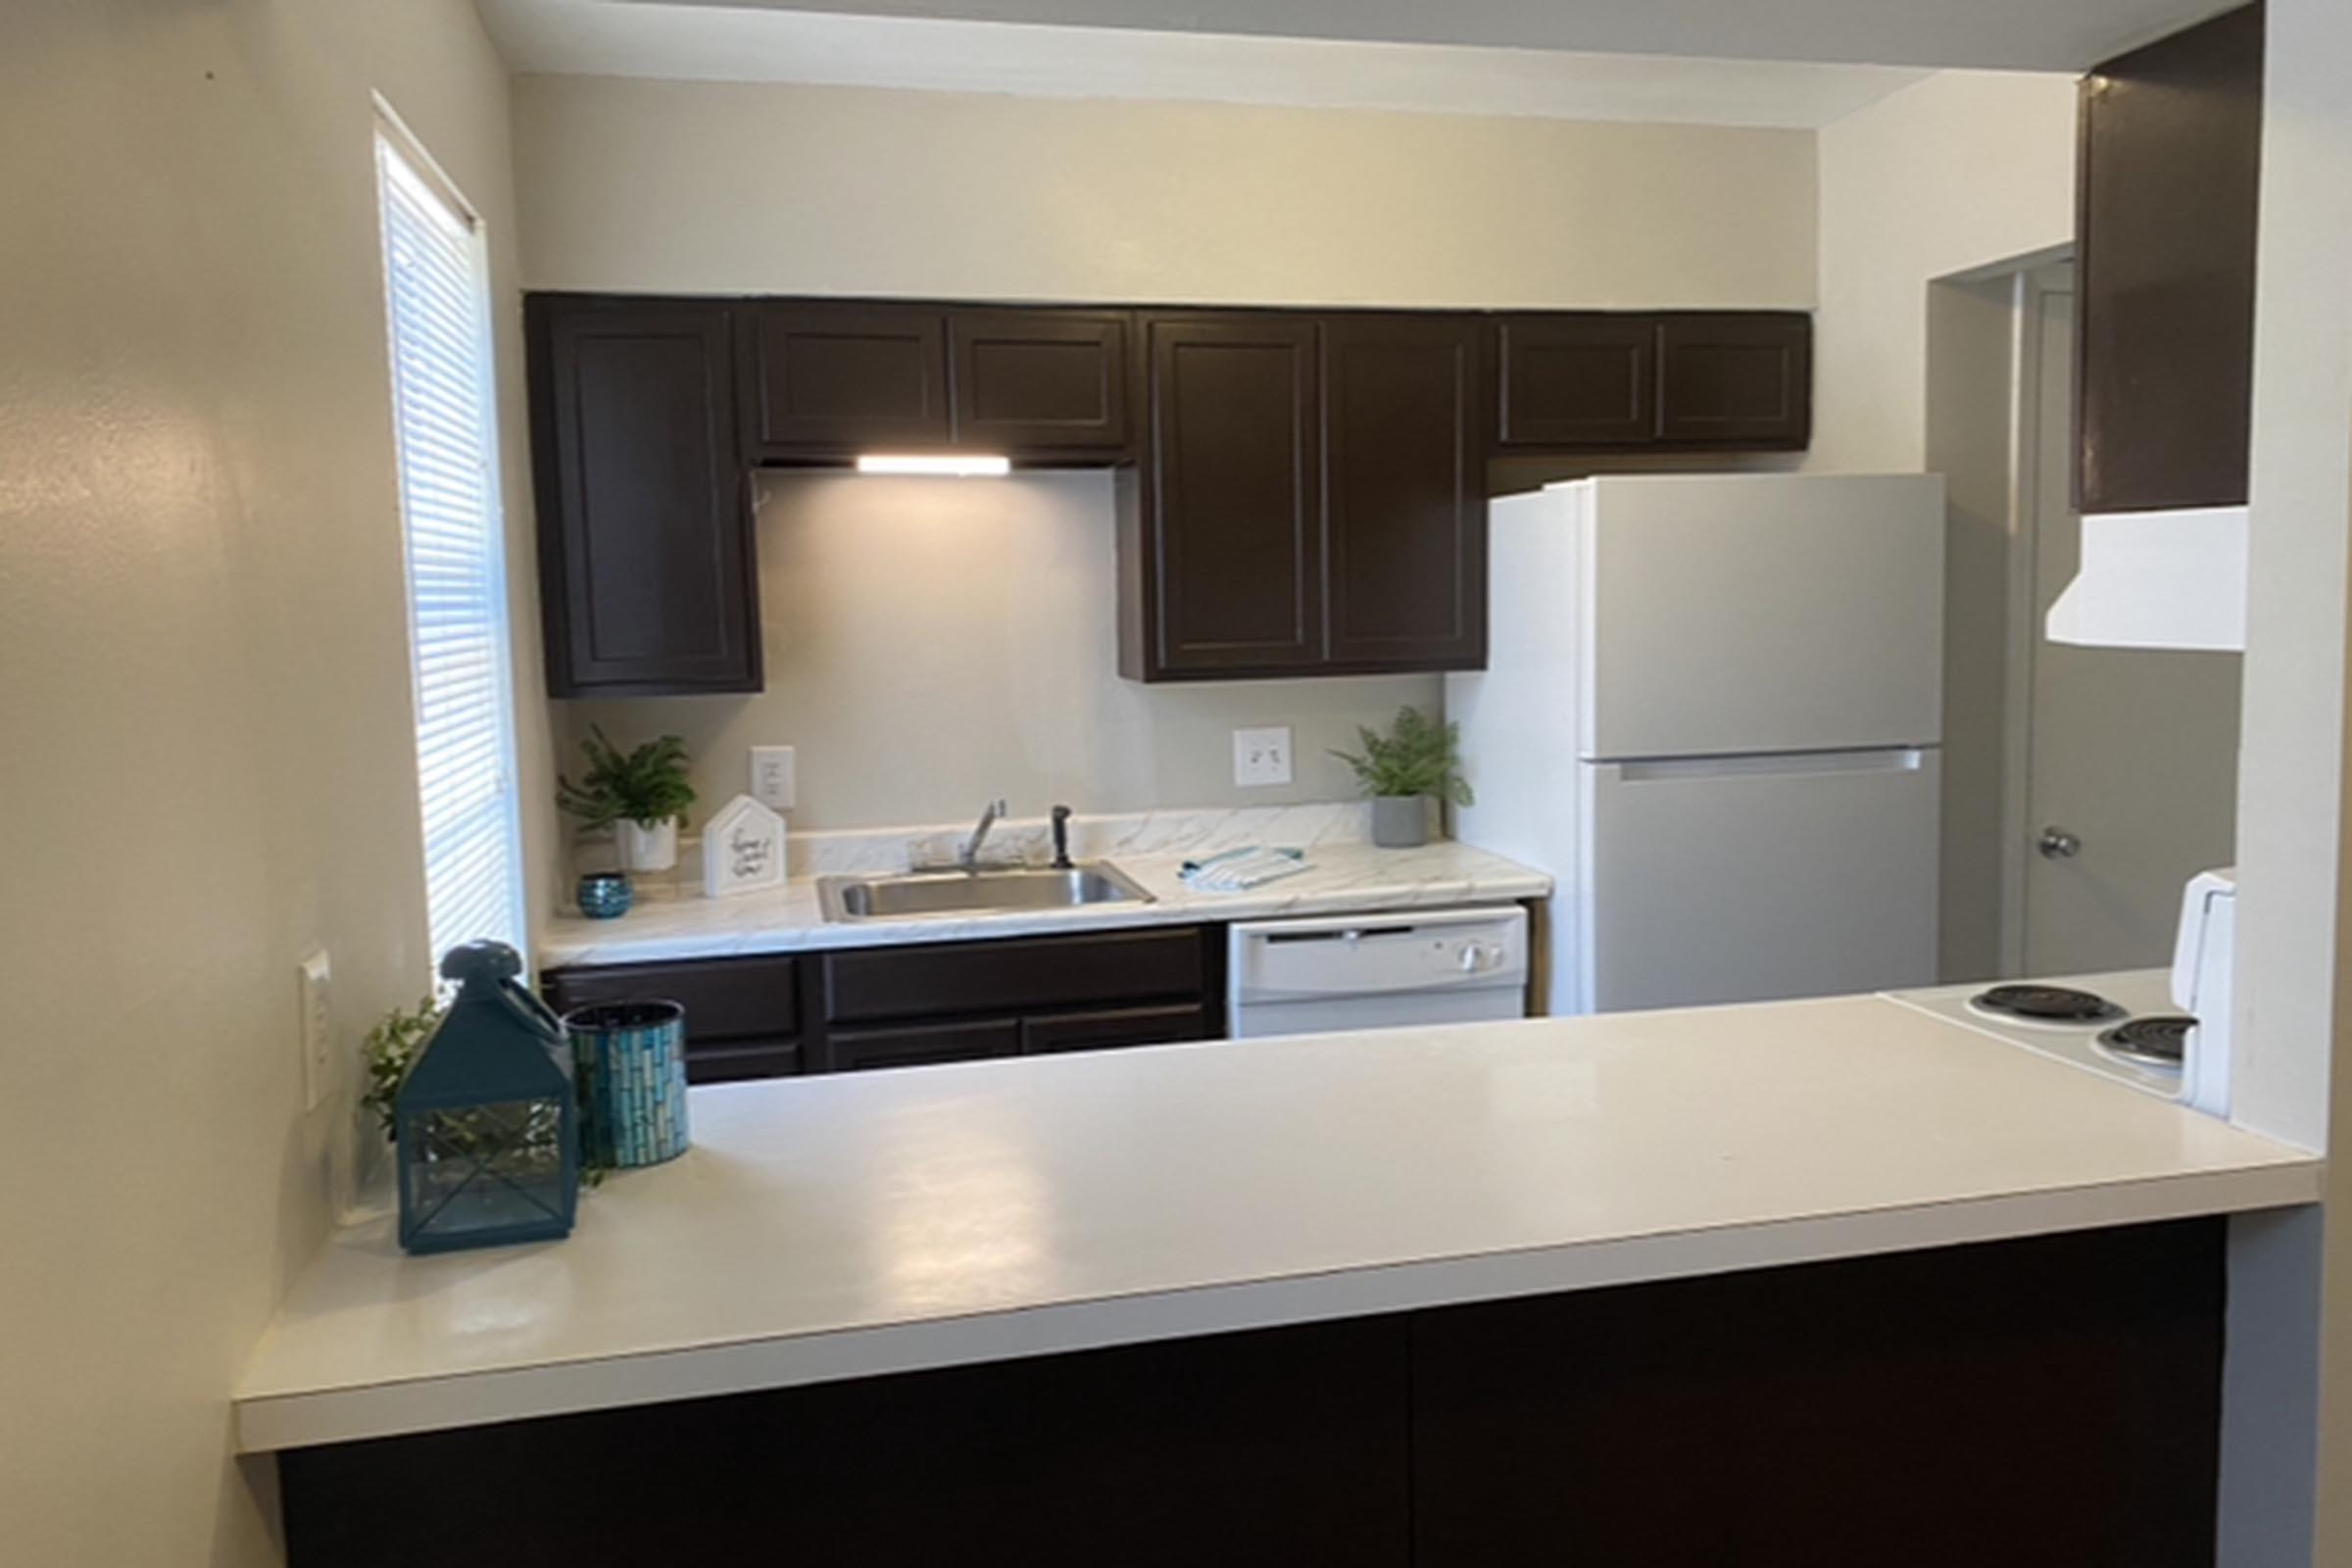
[390, 1046]
[1416, 761]
[641, 794]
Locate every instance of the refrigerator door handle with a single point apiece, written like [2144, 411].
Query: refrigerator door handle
[1771, 764]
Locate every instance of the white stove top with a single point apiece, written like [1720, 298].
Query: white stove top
[2140, 993]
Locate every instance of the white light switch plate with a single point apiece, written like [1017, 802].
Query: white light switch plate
[773, 777]
[317, 1029]
[1261, 756]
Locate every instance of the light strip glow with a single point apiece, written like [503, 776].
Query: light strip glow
[954, 464]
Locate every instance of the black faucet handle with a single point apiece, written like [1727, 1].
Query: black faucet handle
[1062, 838]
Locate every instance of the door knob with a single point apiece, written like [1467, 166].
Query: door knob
[2057, 843]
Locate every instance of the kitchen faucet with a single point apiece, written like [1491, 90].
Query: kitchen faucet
[969, 856]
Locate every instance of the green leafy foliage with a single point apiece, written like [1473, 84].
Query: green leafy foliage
[1415, 757]
[391, 1048]
[647, 786]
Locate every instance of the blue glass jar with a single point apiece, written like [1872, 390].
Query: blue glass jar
[606, 895]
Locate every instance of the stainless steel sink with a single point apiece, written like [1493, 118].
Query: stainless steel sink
[915, 893]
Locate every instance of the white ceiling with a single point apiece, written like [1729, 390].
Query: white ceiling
[2003, 34]
[747, 43]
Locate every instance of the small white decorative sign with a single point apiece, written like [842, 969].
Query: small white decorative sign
[743, 848]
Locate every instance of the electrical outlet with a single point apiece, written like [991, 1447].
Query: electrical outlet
[773, 777]
[1261, 756]
[317, 1029]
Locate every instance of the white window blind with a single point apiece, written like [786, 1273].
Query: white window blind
[446, 433]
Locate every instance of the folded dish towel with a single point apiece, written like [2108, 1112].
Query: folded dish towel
[1253, 865]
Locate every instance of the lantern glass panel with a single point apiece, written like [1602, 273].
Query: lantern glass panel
[486, 1167]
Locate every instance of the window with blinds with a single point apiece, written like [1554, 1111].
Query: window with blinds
[445, 427]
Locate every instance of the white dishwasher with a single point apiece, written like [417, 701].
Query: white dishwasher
[1375, 971]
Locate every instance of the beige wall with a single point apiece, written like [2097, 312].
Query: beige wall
[933, 644]
[204, 688]
[716, 187]
[1964, 170]
[1008, 685]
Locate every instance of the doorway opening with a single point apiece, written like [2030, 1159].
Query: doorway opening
[2083, 786]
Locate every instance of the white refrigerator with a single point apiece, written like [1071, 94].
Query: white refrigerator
[1712, 710]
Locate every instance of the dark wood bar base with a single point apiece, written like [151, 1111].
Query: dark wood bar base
[2049, 1401]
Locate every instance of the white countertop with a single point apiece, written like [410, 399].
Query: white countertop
[1344, 879]
[842, 1226]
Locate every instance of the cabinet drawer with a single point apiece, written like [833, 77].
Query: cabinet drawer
[859, 1049]
[1022, 975]
[725, 999]
[734, 1061]
[1113, 1026]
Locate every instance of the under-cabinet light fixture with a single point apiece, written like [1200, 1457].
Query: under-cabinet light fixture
[954, 464]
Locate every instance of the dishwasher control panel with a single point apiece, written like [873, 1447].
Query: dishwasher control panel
[1343, 957]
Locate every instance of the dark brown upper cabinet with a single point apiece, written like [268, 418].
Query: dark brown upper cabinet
[1575, 380]
[1036, 382]
[647, 577]
[1226, 549]
[830, 380]
[2167, 193]
[1313, 498]
[1684, 381]
[826, 381]
[1404, 502]
[1735, 378]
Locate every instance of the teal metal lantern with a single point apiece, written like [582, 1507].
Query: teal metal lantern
[487, 1122]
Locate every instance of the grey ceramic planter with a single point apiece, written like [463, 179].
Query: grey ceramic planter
[1399, 821]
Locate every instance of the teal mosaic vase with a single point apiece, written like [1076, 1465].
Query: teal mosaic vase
[630, 1059]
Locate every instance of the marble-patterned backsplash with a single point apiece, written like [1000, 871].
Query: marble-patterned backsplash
[1028, 839]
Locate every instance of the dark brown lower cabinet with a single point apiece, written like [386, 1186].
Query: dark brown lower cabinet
[744, 1016]
[918, 1045]
[1115, 1026]
[859, 1008]
[2053, 1402]
[2044, 1403]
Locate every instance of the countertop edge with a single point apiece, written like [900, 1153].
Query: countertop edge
[268, 1423]
[575, 944]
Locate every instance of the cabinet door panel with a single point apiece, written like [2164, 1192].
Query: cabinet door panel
[916, 1046]
[1404, 544]
[736, 1061]
[725, 999]
[2170, 170]
[1740, 379]
[1018, 974]
[1575, 380]
[1113, 1026]
[834, 380]
[1235, 543]
[646, 573]
[1040, 382]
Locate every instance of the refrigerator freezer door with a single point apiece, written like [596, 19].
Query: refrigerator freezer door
[1761, 612]
[1755, 878]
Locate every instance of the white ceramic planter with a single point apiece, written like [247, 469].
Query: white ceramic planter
[648, 849]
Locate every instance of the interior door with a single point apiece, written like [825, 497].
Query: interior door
[1756, 878]
[2132, 754]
